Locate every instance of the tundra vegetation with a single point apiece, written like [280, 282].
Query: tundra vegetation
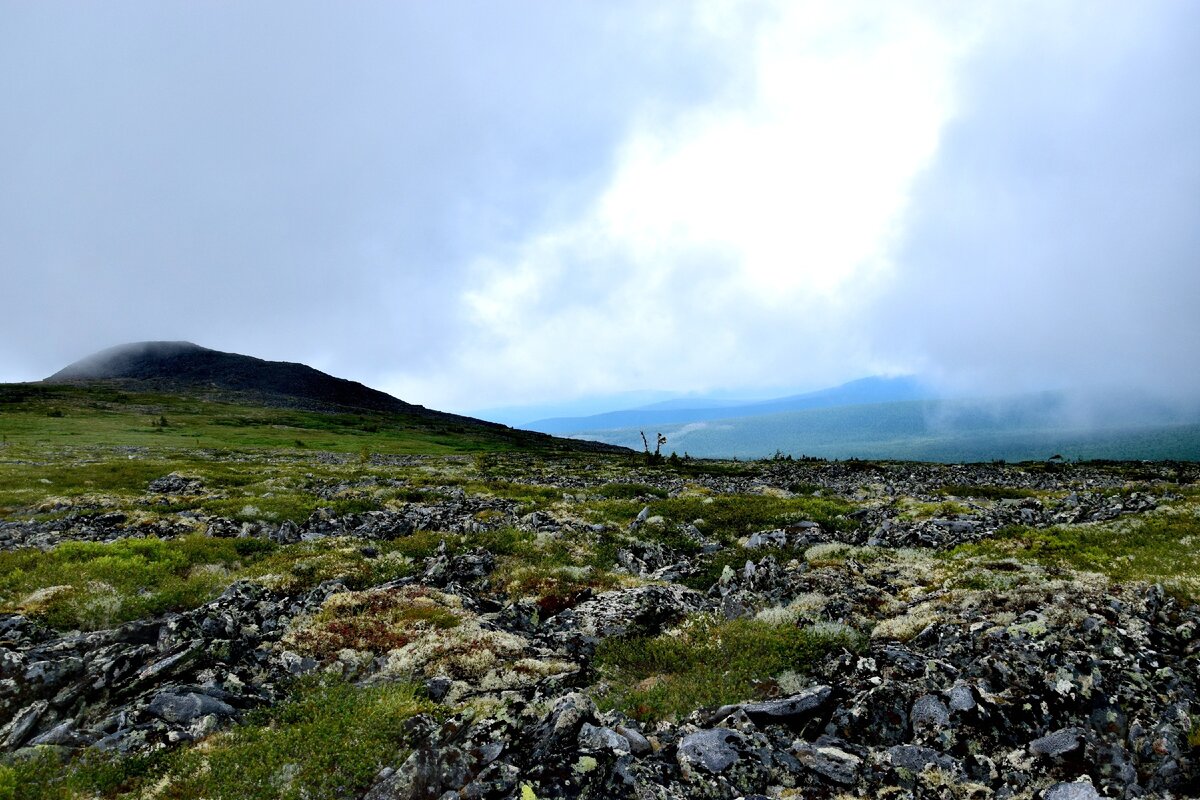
[207, 600]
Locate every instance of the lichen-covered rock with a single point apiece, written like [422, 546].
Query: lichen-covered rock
[1021, 680]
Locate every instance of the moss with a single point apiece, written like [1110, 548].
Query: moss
[709, 662]
[90, 585]
[916, 510]
[328, 741]
[43, 774]
[376, 621]
[729, 517]
[629, 491]
[827, 553]
[304, 565]
[557, 587]
[1158, 548]
[804, 607]
[39, 776]
[905, 626]
[986, 492]
[710, 567]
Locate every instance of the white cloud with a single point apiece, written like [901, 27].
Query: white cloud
[736, 240]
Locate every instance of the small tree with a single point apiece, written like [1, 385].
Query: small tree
[659, 440]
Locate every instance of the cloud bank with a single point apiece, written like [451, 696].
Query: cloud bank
[471, 205]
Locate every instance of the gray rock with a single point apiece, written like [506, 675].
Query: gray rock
[827, 758]
[643, 610]
[929, 712]
[916, 758]
[183, 708]
[62, 734]
[170, 664]
[175, 484]
[23, 724]
[638, 743]
[422, 776]
[438, 687]
[297, 664]
[1057, 743]
[715, 750]
[792, 709]
[593, 739]
[559, 731]
[961, 697]
[52, 673]
[1071, 791]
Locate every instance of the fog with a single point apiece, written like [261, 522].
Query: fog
[478, 206]
[1053, 243]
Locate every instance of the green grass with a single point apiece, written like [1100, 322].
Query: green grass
[40, 417]
[555, 573]
[107, 584]
[331, 739]
[327, 741]
[986, 492]
[709, 664]
[89, 585]
[1162, 548]
[301, 566]
[282, 506]
[629, 491]
[42, 775]
[730, 516]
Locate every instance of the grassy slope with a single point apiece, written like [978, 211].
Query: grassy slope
[37, 417]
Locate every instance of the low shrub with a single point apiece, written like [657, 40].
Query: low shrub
[709, 662]
[90, 585]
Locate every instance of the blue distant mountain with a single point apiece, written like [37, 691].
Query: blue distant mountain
[1017, 428]
[683, 411]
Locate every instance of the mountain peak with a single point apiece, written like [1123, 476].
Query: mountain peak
[188, 367]
[131, 360]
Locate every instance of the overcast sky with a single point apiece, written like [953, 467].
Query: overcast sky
[480, 204]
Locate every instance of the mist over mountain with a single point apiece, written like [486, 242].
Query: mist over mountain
[906, 419]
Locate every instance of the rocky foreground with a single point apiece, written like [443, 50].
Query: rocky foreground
[954, 631]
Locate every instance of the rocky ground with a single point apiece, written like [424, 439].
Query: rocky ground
[601, 627]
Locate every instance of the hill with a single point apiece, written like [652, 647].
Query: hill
[194, 396]
[187, 367]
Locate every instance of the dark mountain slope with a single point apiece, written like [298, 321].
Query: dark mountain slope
[167, 366]
[186, 368]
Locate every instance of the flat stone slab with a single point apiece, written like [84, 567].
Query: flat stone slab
[790, 709]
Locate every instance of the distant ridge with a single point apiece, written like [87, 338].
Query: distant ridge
[864, 391]
[187, 367]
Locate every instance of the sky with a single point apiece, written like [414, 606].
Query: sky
[474, 205]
